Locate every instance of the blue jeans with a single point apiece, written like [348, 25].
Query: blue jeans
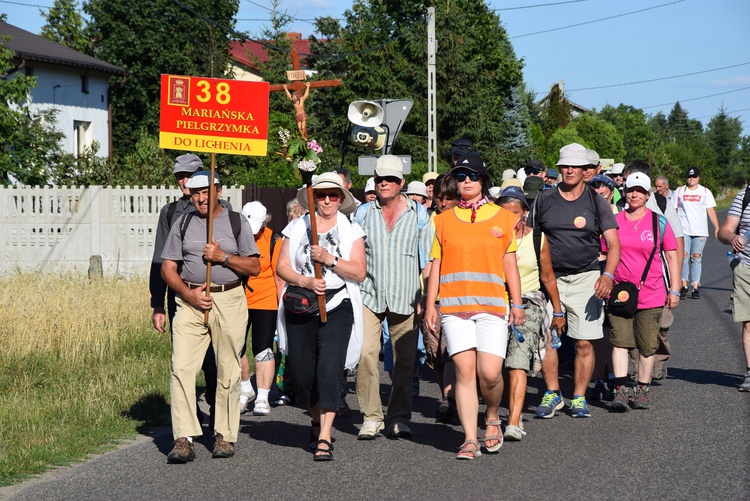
[691, 266]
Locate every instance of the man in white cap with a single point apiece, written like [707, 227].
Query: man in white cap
[184, 166]
[399, 236]
[616, 173]
[573, 217]
[234, 256]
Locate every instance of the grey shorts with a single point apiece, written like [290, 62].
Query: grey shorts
[520, 354]
[741, 294]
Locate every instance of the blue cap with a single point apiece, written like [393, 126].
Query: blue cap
[552, 172]
[516, 193]
[604, 179]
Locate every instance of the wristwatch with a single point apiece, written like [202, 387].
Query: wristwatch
[335, 261]
[226, 258]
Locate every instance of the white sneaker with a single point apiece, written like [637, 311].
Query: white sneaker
[245, 398]
[261, 408]
[370, 430]
[399, 430]
[514, 433]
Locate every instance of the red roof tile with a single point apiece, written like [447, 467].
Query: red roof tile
[249, 53]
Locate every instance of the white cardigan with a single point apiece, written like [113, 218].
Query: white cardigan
[299, 231]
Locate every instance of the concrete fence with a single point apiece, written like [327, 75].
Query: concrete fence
[60, 228]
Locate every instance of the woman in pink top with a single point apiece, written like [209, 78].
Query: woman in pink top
[637, 236]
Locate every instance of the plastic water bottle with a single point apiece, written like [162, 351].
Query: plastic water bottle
[519, 336]
[555, 342]
[730, 258]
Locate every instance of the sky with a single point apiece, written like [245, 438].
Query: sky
[585, 43]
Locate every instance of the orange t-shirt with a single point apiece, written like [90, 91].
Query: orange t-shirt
[263, 294]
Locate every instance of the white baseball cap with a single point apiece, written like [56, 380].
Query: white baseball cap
[255, 213]
[638, 179]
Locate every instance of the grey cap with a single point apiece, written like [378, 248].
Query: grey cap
[188, 162]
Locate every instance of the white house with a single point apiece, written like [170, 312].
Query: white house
[74, 84]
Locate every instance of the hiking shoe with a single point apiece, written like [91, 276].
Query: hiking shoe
[640, 398]
[551, 401]
[182, 452]
[696, 294]
[261, 408]
[683, 293]
[746, 385]
[514, 433]
[620, 402]
[222, 448]
[598, 392]
[370, 430]
[659, 372]
[399, 430]
[578, 407]
[245, 398]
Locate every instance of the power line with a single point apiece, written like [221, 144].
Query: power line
[539, 5]
[598, 20]
[658, 79]
[694, 98]
[275, 12]
[26, 4]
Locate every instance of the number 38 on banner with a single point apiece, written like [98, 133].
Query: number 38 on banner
[214, 115]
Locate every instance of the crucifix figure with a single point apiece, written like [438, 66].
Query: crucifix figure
[294, 91]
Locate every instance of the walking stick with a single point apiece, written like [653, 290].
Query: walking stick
[210, 236]
[314, 236]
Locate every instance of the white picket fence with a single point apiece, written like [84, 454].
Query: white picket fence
[60, 228]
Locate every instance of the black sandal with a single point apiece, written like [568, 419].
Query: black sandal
[326, 454]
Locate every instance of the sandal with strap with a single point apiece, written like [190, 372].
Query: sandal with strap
[466, 453]
[497, 436]
[325, 454]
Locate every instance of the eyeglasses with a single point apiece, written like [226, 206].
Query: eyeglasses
[333, 197]
[387, 179]
[461, 176]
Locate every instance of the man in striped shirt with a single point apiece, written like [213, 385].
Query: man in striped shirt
[399, 236]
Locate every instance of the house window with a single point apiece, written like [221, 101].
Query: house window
[84, 84]
[83, 136]
[29, 71]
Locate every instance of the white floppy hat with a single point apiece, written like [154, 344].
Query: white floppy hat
[616, 169]
[255, 213]
[417, 188]
[330, 180]
[593, 157]
[573, 155]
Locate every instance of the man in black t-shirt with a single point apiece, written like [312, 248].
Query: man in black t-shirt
[573, 217]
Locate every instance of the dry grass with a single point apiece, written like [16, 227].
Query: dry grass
[80, 368]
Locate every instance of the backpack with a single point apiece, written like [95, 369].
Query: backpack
[745, 201]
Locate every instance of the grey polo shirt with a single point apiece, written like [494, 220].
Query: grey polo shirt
[190, 251]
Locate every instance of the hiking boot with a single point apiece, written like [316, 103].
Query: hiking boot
[182, 452]
[578, 407]
[696, 294]
[443, 414]
[683, 293]
[640, 398]
[620, 402]
[551, 401]
[659, 372]
[370, 430]
[222, 448]
[746, 385]
[399, 430]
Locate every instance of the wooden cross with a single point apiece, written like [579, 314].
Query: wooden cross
[297, 75]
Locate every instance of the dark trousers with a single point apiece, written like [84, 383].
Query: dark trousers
[209, 361]
[317, 355]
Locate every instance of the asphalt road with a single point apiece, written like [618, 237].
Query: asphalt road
[693, 444]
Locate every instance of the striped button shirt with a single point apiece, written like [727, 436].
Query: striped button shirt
[394, 258]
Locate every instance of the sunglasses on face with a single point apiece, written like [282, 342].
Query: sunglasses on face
[333, 197]
[387, 179]
[461, 176]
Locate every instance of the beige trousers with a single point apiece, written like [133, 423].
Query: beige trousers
[227, 322]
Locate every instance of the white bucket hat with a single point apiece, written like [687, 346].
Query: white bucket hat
[329, 180]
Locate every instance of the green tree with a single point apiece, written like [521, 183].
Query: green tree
[65, 25]
[723, 137]
[638, 137]
[151, 38]
[599, 135]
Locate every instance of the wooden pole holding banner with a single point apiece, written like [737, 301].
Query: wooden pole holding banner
[210, 236]
[314, 236]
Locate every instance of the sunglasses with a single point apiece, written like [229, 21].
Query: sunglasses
[387, 179]
[333, 197]
[461, 176]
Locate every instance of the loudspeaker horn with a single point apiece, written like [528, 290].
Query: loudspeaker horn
[373, 138]
[366, 113]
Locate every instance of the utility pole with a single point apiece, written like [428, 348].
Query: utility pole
[431, 96]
